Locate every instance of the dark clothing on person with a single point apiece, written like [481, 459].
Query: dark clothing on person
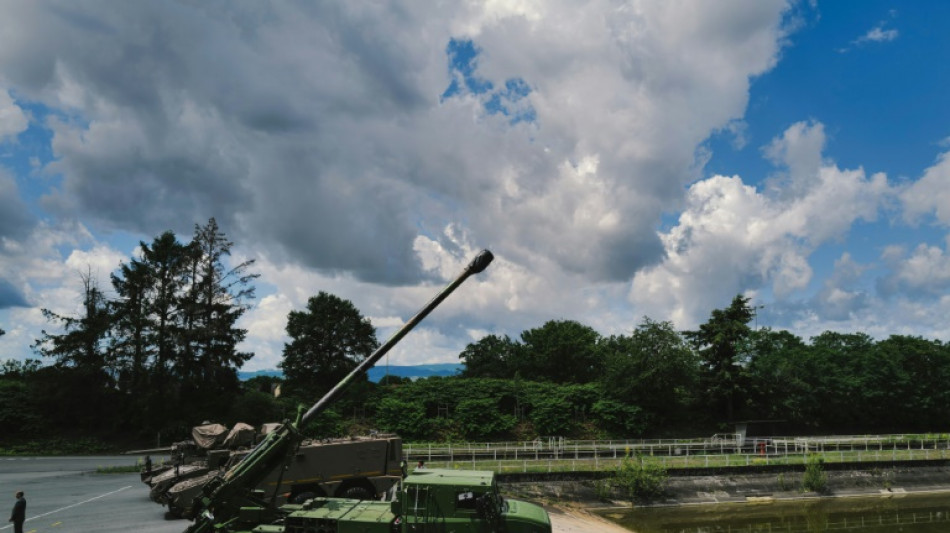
[19, 514]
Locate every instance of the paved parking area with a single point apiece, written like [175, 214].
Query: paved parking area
[65, 495]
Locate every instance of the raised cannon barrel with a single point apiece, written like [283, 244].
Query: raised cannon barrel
[223, 496]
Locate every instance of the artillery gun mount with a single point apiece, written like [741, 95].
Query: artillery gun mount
[427, 500]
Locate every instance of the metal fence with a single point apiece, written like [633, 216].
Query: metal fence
[560, 455]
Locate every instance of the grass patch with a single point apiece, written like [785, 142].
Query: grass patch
[57, 446]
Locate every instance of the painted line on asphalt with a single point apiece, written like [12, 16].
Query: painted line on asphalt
[73, 505]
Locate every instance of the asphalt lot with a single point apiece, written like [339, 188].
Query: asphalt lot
[66, 495]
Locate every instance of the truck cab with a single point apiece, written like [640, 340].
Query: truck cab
[463, 501]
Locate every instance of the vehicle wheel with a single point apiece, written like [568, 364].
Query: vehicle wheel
[357, 493]
[302, 497]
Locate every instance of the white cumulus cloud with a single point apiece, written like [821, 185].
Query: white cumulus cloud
[732, 236]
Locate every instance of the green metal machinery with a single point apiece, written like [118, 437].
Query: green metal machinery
[427, 501]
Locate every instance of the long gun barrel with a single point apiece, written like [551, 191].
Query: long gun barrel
[223, 496]
[478, 264]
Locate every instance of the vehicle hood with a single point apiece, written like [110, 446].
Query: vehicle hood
[524, 517]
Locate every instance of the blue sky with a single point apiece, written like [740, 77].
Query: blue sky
[620, 159]
[884, 92]
[869, 72]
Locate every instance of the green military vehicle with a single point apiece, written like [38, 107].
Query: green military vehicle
[428, 500]
[360, 468]
[459, 501]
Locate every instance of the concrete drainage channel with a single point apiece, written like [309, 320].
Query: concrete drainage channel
[753, 484]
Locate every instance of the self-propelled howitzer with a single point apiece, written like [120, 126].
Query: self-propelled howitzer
[230, 499]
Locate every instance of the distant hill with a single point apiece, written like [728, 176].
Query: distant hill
[377, 372]
[244, 376]
[414, 372]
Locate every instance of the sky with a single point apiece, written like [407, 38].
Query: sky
[622, 160]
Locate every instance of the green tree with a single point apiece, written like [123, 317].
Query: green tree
[840, 362]
[165, 264]
[654, 368]
[149, 328]
[328, 340]
[254, 407]
[83, 368]
[19, 369]
[214, 298]
[904, 383]
[219, 295]
[620, 419]
[781, 375]
[132, 325]
[480, 418]
[392, 380]
[721, 343]
[85, 341]
[561, 410]
[562, 351]
[489, 357]
[404, 417]
[19, 416]
[174, 324]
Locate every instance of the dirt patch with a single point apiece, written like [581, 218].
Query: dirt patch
[569, 520]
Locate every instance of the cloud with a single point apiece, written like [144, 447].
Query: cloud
[15, 218]
[327, 143]
[842, 294]
[317, 132]
[877, 34]
[922, 274]
[371, 150]
[799, 150]
[930, 194]
[731, 237]
[10, 296]
[13, 120]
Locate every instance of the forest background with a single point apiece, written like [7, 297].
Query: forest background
[142, 367]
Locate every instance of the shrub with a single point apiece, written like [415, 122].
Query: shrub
[815, 478]
[479, 419]
[640, 481]
[406, 418]
[619, 418]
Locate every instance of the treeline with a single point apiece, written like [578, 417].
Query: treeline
[158, 355]
[565, 379]
[151, 355]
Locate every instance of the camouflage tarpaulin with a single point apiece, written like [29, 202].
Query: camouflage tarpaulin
[268, 427]
[209, 436]
[241, 435]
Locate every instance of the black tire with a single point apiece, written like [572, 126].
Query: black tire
[357, 492]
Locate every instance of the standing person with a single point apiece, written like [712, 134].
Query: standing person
[18, 516]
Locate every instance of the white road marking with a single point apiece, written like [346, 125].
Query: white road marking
[71, 506]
